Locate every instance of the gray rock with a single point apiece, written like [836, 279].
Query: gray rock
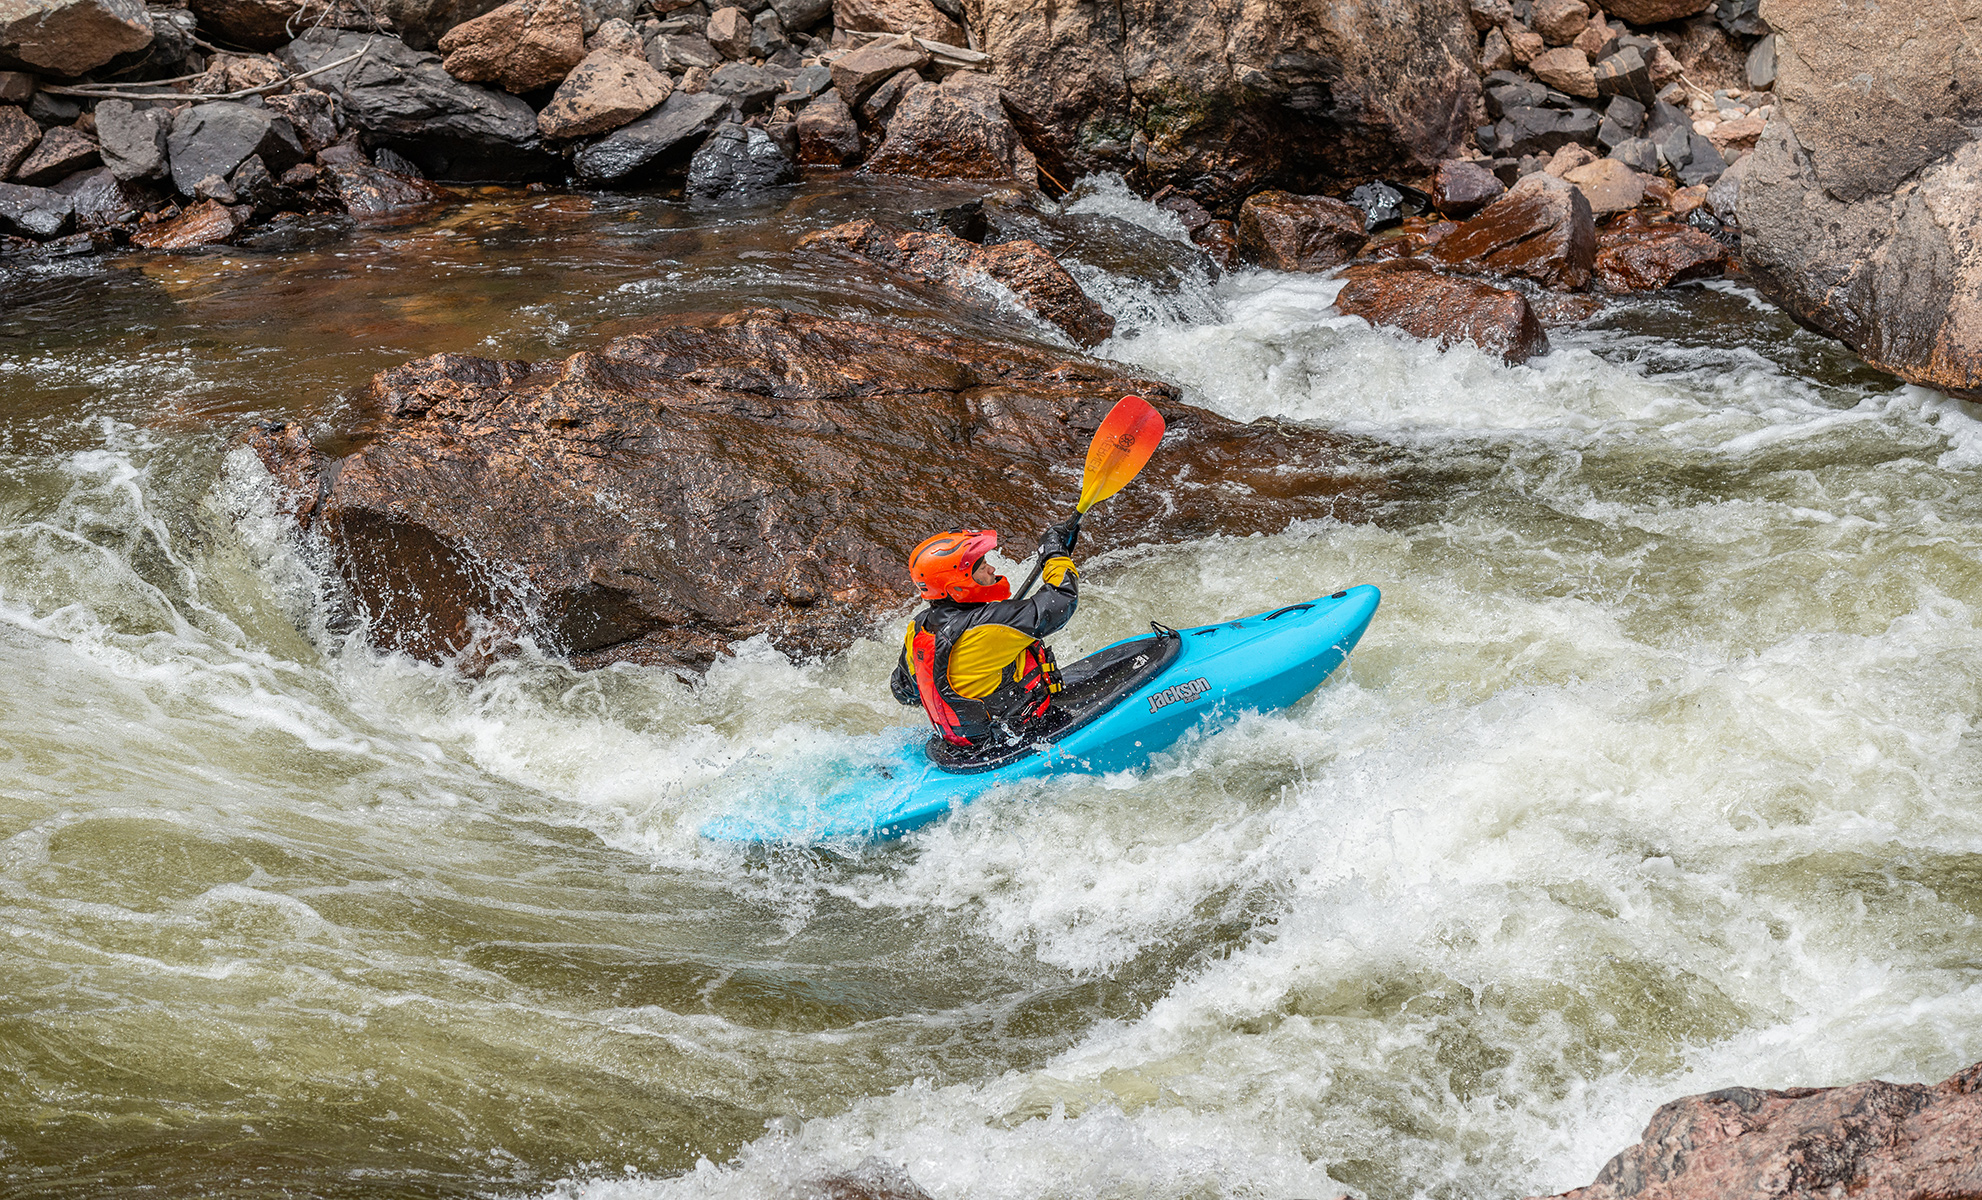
[1544, 130]
[1627, 72]
[132, 140]
[767, 34]
[649, 145]
[215, 138]
[401, 98]
[736, 162]
[681, 51]
[1640, 154]
[1703, 161]
[313, 114]
[1762, 63]
[420, 23]
[35, 212]
[1623, 120]
[752, 88]
[808, 83]
[96, 198]
[70, 37]
[1724, 197]
[50, 109]
[801, 14]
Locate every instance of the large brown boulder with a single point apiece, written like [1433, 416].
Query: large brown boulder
[69, 37]
[716, 478]
[1868, 1141]
[604, 92]
[1286, 232]
[948, 264]
[1546, 234]
[919, 17]
[954, 130]
[1858, 216]
[521, 47]
[1407, 294]
[1225, 99]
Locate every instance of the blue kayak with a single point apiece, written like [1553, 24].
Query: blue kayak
[1118, 706]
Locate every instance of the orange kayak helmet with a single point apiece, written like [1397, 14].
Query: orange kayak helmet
[941, 566]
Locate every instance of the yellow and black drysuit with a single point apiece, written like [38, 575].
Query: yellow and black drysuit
[980, 670]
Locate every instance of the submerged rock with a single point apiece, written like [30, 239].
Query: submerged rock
[368, 192]
[1407, 294]
[961, 268]
[1868, 1141]
[204, 224]
[717, 478]
[738, 161]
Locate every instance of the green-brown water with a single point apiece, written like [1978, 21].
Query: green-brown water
[1657, 772]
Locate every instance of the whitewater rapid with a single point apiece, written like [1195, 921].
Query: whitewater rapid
[1656, 773]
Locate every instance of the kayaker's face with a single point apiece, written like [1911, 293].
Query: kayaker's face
[983, 574]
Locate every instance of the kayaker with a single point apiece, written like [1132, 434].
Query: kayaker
[974, 659]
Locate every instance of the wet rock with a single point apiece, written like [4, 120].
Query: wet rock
[18, 137]
[520, 47]
[768, 472]
[918, 17]
[1219, 240]
[948, 264]
[827, 133]
[873, 1179]
[1636, 255]
[1869, 1141]
[1462, 188]
[1385, 204]
[738, 161]
[954, 130]
[1567, 68]
[263, 193]
[1231, 99]
[96, 197]
[214, 138]
[728, 31]
[604, 92]
[861, 71]
[204, 224]
[1545, 235]
[1407, 294]
[312, 114]
[1653, 12]
[70, 37]
[680, 51]
[1609, 186]
[1285, 232]
[35, 212]
[1824, 234]
[62, 152]
[404, 100]
[661, 140]
[370, 193]
[751, 89]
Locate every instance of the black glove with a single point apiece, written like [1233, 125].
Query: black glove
[1060, 538]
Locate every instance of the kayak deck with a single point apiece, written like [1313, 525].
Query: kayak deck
[1117, 711]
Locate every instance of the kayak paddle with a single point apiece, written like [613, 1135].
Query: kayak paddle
[1122, 444]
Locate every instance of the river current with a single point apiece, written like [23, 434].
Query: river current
[1657, 772]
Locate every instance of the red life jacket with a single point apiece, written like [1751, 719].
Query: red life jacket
[1025, 689]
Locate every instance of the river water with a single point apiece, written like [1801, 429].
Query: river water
[1656, 773]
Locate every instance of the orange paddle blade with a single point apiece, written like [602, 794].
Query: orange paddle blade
[1120, 447]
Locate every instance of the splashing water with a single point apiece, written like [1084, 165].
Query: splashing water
[1655, 774]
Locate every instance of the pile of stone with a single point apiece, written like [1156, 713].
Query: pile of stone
[123, 123]
[1673, 87]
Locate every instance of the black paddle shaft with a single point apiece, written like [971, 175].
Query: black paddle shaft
[1041, 564]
